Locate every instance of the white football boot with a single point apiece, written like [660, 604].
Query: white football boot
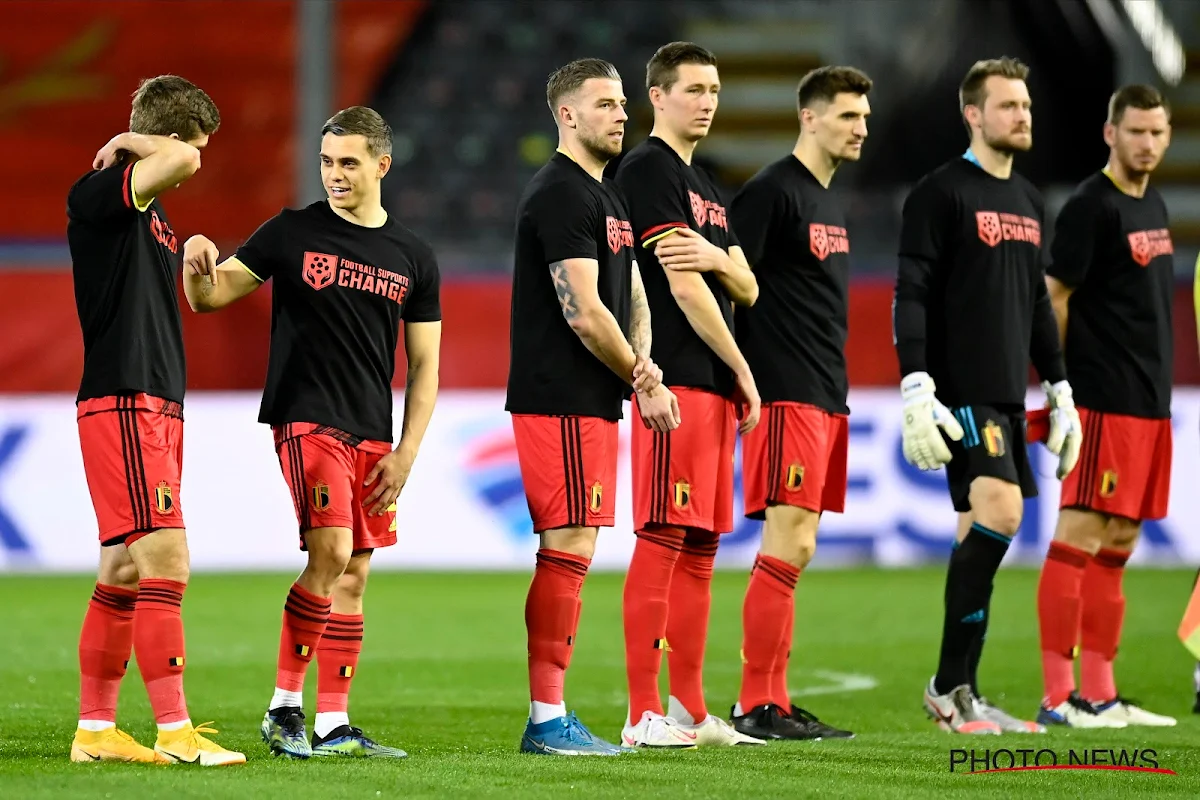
[712, 731]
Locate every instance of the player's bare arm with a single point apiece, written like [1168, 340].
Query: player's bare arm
[422, 349]
[658, 406]
[575, 284]
[209, 285]
[686, 250]
[1060, 296]
[162, 162]
[698, 304]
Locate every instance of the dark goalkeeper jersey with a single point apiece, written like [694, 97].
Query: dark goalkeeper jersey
[794, 235]
[971, 305]
[125, 262]
[1115, 251]
[339, 293]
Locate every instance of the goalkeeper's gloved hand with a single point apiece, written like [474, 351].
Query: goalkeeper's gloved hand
[1066, 431]
[924, 446]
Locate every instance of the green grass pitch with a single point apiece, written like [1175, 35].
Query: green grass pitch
[443, 675]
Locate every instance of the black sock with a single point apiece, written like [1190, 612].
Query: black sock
[976, 651]
[973, 565]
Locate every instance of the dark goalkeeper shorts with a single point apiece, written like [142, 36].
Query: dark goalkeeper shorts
[993, 446]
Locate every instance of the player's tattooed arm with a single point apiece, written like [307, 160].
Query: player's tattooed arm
[640, 332]
[575, 283]
[564, 290]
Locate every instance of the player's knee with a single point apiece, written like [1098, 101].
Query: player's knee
[328, 557]
[576, 541]
[997, 505]
[1122, 534]
[352, 585]
[790, 535]
[1081, 529]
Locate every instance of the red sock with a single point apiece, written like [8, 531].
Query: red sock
[764, 614]
[551, 619]
[687, 624]
[158, 642]
[337, 660]
[1058, 604]
[104, 647]
[644, 608]
[779, 680]
[305, 616]
[1103, 614]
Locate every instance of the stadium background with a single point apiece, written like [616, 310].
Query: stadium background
[462, 86]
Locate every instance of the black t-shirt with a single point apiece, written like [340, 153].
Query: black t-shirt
[971, 302]
[125, 260]
[340, 291]
[794, 235]
[1115, 251]
[566, 213]
[666, 194]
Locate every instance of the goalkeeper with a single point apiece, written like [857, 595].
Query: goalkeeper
[971, 310]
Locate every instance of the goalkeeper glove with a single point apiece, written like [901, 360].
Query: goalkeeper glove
[924, 446]
[1066, 431]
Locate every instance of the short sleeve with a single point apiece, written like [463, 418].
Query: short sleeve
[1073, 249]
[655, 192]
[753, 213]
[261, 253]
[425, 302]
[924, 221]
[567, 221]
[103, 194]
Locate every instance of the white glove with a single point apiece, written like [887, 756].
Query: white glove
[924, 447]
[1066, 431]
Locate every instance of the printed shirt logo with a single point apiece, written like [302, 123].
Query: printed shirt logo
[325, 269]
[162, 233]
[1145, 246]
[826, 239]
[620, 234]
[707, 212]
[996, 227]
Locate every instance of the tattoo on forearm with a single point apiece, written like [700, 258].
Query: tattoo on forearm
[639, 316]
[206, 285]
[562, 287]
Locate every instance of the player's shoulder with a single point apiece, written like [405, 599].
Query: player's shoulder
[560, 181]
[411, 242]
[652, 155]
[945, 180]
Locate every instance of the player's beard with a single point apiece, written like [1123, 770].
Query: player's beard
[1135, 170]
[600, 146]
[1008, 143]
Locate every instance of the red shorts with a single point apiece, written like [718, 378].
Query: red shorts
[795, 457]
[685, 478]
[569, 470]
[1124, 467]
[325, 469]
[132, 457]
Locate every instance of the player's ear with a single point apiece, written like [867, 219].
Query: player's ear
[174, 136]
[1110, 134]
[385, 164]
[656, 94]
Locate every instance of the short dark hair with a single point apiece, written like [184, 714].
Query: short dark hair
[823, 84]
[663, 68]
[1137, 96]
[569, 78]
[169, 105]
[973, 91]
[362, 121]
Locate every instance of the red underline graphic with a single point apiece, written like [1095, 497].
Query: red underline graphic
[1078, 766]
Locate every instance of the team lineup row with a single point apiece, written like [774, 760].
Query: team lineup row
[717, 321]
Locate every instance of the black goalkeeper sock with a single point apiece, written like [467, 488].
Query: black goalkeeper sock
[976, 651]
[973, 566]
